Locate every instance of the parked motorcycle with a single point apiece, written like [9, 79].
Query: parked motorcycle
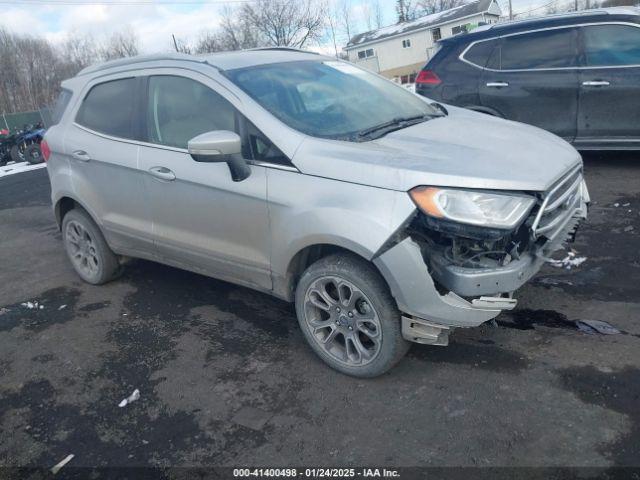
[32, 152]
[22, 145]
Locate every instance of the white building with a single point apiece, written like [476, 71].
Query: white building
[400, 51]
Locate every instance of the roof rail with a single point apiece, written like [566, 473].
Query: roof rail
[285, 49]
[122, 62]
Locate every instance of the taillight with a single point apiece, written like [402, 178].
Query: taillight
[46, 151]
[428, 77]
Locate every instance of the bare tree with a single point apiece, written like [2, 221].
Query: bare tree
[292, 23]
[346, 20]
[377, 14]
[426, 7]
[180, 45]
[121, 44]
[406, 10]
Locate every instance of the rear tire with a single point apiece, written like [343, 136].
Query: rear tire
[17, 155]
[90, 256]
[33, 154]
[348, 316]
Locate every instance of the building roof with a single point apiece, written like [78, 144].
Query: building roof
[627, 14]
[428, 21]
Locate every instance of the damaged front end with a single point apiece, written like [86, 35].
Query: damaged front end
[477, 257]
[488, 261]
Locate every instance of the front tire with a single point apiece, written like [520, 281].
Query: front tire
[33, 154]
[91, 257]
[348, 316]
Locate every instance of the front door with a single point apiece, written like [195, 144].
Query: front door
[202, 219]
[609, 111]
[533, 78]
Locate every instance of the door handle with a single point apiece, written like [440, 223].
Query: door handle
[497, 84]
[81, 155]
[162, 173]
[596, 83]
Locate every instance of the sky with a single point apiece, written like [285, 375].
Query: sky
[153, 20]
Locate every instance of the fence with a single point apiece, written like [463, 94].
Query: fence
[15, 121]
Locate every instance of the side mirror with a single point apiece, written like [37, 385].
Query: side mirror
[220, 146]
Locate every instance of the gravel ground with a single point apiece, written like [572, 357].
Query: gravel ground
[226, 379]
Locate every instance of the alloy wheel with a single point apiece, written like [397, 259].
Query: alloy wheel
[82, 249]
[342, 321]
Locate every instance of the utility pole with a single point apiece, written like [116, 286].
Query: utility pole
[175, 44]
[511, 10]
[575, 5]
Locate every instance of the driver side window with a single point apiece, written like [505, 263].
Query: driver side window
[180, 108]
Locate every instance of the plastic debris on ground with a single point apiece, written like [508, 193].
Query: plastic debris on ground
[56, 468]
[131, 398]
[596, 326]
[568, 262]
[62, 307]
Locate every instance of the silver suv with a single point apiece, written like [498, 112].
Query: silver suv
[385, 217]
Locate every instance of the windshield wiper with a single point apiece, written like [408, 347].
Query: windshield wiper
[394, 124]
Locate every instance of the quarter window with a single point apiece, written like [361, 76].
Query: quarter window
[109, 108]
[536, 50]
[180, 108]
[479, 53]
[611, 45]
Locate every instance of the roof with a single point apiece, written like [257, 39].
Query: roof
[428, 21]
[219, 60]
[596, 15]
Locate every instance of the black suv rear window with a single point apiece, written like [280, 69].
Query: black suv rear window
[109, 107]
[535, 50]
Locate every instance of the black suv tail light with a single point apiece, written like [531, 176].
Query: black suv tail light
[428, 77]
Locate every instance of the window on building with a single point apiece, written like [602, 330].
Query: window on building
[458, 29]
[365, 53]
[436, 35]
[406, 43]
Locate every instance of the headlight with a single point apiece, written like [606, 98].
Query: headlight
[496, 210]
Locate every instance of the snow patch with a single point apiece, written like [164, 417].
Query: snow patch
[14, 168]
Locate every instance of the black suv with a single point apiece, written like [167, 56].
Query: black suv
[576, 75]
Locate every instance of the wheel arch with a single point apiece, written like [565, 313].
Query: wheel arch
[65, 204]
[285, 286]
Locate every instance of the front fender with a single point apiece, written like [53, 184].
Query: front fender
[306, 210]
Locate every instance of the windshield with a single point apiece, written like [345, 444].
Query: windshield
[331, 99]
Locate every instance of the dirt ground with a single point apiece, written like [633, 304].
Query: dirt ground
[226, 379]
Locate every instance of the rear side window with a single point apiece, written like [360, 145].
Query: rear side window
[479, 53]
[60, 106]
[611, 45]
[536, 50]
[180, 108]
[109, 108]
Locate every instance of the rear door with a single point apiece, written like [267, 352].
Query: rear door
[532, 77]
[101, 146]
[609, 111]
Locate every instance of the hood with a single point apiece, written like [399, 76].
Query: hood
[464, 149]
